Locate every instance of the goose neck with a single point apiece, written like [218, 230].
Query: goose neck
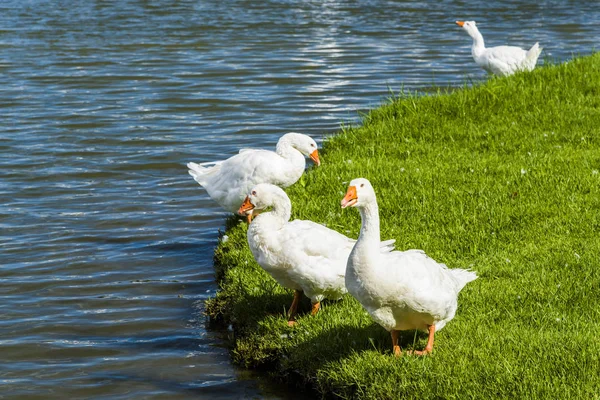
[478, 44]
[285, 148]
[370, 230]
[281, 211]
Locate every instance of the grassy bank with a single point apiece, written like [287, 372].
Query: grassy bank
[502, 178]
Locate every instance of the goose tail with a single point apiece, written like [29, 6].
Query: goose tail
[200, 172]
[532, 56]
[463, 276]
[387, 246]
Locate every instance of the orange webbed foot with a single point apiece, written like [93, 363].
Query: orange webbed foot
[315, 308]
[423, 352]
[429, 348]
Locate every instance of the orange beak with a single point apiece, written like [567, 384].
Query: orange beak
[460, 23]
[246, 207]
[315, 157]
[350, 198]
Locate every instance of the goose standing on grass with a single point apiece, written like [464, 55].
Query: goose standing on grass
[501, 60]
[229, 181]
[401, 290]
[300, 255]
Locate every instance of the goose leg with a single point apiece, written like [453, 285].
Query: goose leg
[248, 218]
[294, 307]
[429, 348]
[395, 347]
[315, 308]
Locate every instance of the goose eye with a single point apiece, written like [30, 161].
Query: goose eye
[312, 145]
[254, 193]
[362, 185]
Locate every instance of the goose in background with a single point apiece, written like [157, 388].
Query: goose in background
[501, 60]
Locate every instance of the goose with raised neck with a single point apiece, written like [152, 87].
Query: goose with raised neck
[500, 60]
[229, 181]
[401, 290]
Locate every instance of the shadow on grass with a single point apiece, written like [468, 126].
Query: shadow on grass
[340, 342]
[254, 309]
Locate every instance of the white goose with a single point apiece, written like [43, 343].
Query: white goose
[501, 60]
[229, 181]
[300, 255]
[401, 290]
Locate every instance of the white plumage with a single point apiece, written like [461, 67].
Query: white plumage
[229, 181]
[501, 60]
[401, 290]
[300, 255]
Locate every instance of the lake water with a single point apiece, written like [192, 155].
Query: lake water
[105, 241]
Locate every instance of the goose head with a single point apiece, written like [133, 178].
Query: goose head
[304, 144]
[469, 26]
[360, 192]
[262, 196]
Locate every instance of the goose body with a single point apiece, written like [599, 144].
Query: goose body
[229, 181]
[401, 290]
[500, 60]
[300, 255]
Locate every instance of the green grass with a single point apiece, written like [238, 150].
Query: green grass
[502, 178]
